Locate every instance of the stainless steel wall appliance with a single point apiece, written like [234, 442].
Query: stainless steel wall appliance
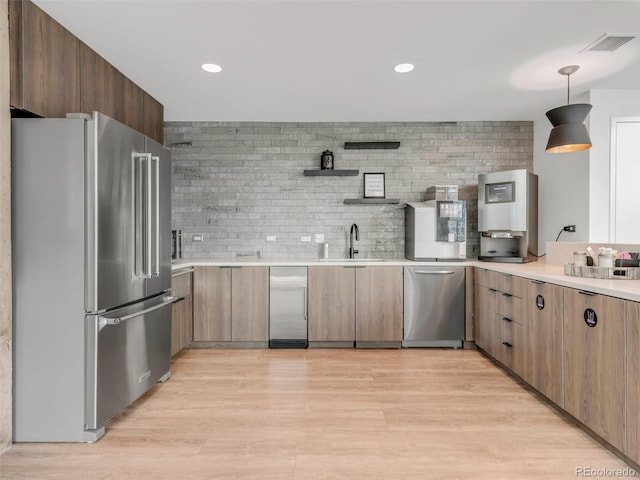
[436, 230]
[288, 307]
[434, 306]
[176, 244]
[508, 216]
[91, 273]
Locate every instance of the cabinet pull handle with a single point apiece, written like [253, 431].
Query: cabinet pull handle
[508, 295]
[493, 290]
[589, 294]
[537, 282]
[508, 320]
[178, 300]
[507, 344]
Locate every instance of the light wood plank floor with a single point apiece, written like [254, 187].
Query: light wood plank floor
[326, 414]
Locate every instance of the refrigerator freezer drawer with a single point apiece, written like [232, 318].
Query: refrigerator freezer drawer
[128, 351]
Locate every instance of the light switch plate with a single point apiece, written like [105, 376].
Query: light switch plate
[197, 238]
[318, 237]
[305, 238]
[270, 238]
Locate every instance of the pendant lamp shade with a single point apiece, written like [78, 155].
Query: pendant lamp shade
[569, 134]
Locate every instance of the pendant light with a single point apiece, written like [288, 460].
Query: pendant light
[569, 134]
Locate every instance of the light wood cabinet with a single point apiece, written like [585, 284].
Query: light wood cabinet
[181, 312]
[231, 304]
[211, 304]
[379, 304]
[332, 304]
[486, 326]
[632, 422]
[544, 313]
[250, 304]
[45, 73]
[498, 322]
[594, 361]
[361, 304]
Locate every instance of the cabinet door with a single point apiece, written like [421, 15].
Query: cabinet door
[332, 304]
[48, 63]
[486, 326]
[250, 304]
[633, 381]
[379, 304]
[180, 324]
[510, 343]
[100, 84]
[212, 304]
[181, 312]
[544, 311]
[153, 125]
[594, 359]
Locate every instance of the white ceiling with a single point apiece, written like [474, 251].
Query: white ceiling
[324, 60]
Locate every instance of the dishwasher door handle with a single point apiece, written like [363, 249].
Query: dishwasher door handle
[305, 303]
[435, 272]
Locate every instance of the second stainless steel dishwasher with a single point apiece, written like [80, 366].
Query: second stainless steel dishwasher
[434, 306]
[288, 307]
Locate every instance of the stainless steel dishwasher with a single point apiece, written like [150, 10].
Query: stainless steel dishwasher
[288, 307]
[434, 306]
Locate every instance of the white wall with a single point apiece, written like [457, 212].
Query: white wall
[563, 188]
[606, 105]
[574, 188]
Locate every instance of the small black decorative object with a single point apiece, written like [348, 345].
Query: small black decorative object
[590, 317]
[540, 302]
[326, 160]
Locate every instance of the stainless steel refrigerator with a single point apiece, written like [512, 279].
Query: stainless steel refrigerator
[91, 273]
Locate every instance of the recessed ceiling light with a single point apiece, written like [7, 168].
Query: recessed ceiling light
[404, 68]
[211, 68]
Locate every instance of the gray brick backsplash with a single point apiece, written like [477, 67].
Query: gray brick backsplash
[237, 182]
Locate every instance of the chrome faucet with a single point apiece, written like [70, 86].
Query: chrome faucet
[352, 250]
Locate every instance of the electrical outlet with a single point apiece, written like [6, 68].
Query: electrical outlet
[270, 238]
[318, 237]
[196, 238]
[305, 238]
[570, 228]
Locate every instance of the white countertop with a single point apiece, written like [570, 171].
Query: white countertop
[620, 288]
[178, 264]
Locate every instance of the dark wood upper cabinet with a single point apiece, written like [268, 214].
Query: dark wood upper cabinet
[100, 84]
[45, 73]
[53, 73]
[153, 118]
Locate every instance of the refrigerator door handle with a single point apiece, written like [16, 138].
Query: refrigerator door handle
[156, 269]
[104, 320]
[142, 207]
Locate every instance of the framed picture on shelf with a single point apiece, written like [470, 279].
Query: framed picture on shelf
[374, 185]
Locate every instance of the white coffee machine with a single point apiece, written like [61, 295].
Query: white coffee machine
[508, 216]
[436, 230]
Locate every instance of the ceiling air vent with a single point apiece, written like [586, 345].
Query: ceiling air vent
[609, 42]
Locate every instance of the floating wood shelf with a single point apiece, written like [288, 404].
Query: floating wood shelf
[371, 145]
[331, 173]
[371, 201]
